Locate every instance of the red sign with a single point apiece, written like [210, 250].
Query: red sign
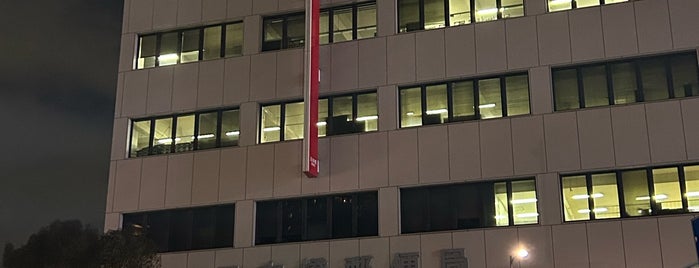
[311, 84]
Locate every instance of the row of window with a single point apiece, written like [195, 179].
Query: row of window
[185, 229]
[505, 95]
[558, 5]
[466, 206]
[432, 14]
[184, 132]
[317, 218]
[631, 193]
[189, 45]
[352, 113]
[626, 81]
[337, 24]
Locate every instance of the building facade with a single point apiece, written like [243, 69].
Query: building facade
[450, 130]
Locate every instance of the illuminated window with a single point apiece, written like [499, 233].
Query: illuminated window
[353, 113]
[627, 81]
[190, 45]
[433, 14]
[558, 5]
[467, 206]
[182, 133]
[464, 100]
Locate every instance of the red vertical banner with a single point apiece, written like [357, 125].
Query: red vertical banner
[311, 84]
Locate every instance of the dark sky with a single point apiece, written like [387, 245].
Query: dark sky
[58, 70]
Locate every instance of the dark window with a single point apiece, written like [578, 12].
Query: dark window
[630, 193]
[353, 113]
[185, 229]
[432, 14]
[181, 46]
[316, 218]
[467, 206]
[337, 24]
[464, 100]
[182, 133]
[628, 81]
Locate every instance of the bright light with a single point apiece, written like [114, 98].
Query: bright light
[524, 201]
[693, 209]
[269, 129]
[487, 11]
[233, 133]
[167, 57]
[489, 105]
[409, 113]
[205, 136]
[596, 210]
[528, 215]
[500, 217]
[656, 197]
[167, 141]
[559, 2]
[522, 253]
[367, 118]
[320, 124]
[584, 196]
[692, 194]
[438, 111]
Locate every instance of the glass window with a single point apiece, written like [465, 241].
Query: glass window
[575, 198]
[203, 228]
[140, 138]
[684, 75]
[462, 101]
[367, 112]
[586, 3]
[512, 8]
[436, 99]
[230, 127]
[411, 107]
[147, 51]
[666, 183]
[414, 209]
[624, 82]
[273, 30]
[342, 25]
[409, 15]
[654, 79]
[234, 39]
[342, 216]
[490, 104]
[295, 31]
[367, 214]
[366, 21]
[162, 142]
[459, 12]
[524, 202]
[293, 121]
[636, 194]
[517, 94]
[190, 46]
[184, 135]
[605, 196]
[322, 117]
[486, 10]
[292, 221]
[434, 14]
[180, 230]
[324, 27]
[558, 5]
[691, 178]
[212, 42]
[225, 223]
[594, 79]
[271, 123]
[502, 208]
[207, 130]
[168, 49]
[317, 219]
[267, 220]
[565, 85]
[342, 116]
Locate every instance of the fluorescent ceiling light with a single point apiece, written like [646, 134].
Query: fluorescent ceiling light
[524, 201]
[206, 136]
[693, 209]
[438, 111]
[409, 113]
[596, 210]
[559, 2]
[489, 105]
[167, 141]
[269, 129]
[584, 196]
[692, 194]
[367, 118]
[320, 124]
[657, 197]
[500, 217]
[166, 57]
[528, 215]
[487, 11]
[233, 133]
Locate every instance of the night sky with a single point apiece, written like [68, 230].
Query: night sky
[58, 70]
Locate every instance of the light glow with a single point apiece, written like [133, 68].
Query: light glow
[692, 194]
[559, 2]
[270, 129]
[167, 141]
[438, 111]
[488, 11]
[528, 215]
[656, 197]
[409, 113]
[168, 57]
[205, 136]
[523, 201]
[367, 118]
[233, 133]
[522, 253]
[596, 210]
[320, 124]
[484, 106]
[584, 196]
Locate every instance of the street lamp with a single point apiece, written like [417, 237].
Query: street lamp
[520, 254]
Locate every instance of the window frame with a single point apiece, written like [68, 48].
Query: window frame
[450, 100]
[636, 62]
[282, 113]
[510, 205]
[158, 42]
[447, 22]
[279, 208]
[656, 211]
[174, 117]
[284, 17]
